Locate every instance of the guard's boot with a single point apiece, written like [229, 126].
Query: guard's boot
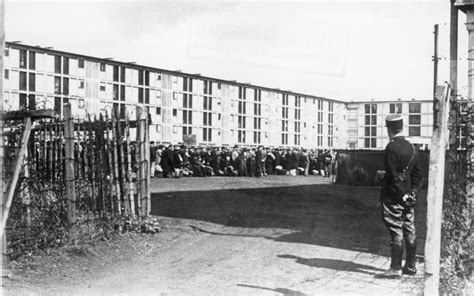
[396, 261]
[410, 263]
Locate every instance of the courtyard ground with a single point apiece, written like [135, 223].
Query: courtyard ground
[275, 235]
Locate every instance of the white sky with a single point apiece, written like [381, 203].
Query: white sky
[346, 50]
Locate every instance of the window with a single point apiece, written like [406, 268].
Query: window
[414, 119]
[414, 131]
[147, 96]
[122, 93]
[81, 84]
[147, 78]
[7, 52]
[140, 95]
[23, 59]
[102, 86]
[414, 107]
[207, 134]
[23, 102]
[57, 85]
[32, 60]
[158, 110]
[241, 136]
[22, 81]
[7, 74]
[175, 112]
[31, 102]
[57, 105]
[80, 63]
[66, 65]
[102, 67]
[57, 64]
[115, 93]
[66, 86]
[115, 72]
[187, 117]
[31, 82]
[370, 139]
[122, 74]
[396, 108]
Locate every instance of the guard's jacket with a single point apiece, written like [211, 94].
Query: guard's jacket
[396, 157]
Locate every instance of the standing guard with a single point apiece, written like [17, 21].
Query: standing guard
[398, 196]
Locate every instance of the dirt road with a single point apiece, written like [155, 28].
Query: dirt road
[243, 236]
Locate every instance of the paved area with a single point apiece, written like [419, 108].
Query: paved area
[242, 236]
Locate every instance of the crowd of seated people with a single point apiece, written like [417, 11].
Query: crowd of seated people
[175, 161]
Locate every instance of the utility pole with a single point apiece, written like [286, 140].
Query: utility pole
[4, 261]
[453, 82]
[435, 59]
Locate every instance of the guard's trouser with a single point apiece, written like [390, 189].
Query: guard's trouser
[400, 222]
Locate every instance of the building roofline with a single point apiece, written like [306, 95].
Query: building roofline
[177, 73]
[388, 101]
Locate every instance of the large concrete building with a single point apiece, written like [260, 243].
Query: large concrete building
[216, 111]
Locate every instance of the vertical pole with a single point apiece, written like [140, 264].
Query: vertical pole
[115, 174]
[129, 166]
[470, 121]
[435, 59]
[121, 163]
[146, 131]
[140, 162]
[70, 171]
[25, 192]
[110, 167]
[2, 182]
[435, 192]
[93, 164]
[102, 169]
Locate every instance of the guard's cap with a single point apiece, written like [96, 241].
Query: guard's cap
[394, 121]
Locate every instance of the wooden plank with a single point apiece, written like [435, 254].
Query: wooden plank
[138, 159]
[93, 165]
[129, 169]
[70, 170]
[434, 213]
[33, 114]
[102, 164]
[109, 167]
[7, 200]
[115, 167]
[122, 172]
[146, 128]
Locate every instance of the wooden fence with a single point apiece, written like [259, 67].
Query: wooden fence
[93, 162]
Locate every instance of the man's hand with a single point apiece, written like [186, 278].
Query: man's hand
[409, 198]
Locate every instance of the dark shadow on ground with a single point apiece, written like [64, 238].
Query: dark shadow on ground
[283, 291]
[326, 215]
[339, 265]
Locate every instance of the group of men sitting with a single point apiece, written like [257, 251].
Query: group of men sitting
[174, 161]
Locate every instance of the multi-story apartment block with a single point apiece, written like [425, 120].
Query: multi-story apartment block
[215, 111]
[366, 122]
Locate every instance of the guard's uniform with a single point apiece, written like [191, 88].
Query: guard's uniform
[398, 217]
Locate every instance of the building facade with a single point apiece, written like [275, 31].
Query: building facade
[214, 111]
[366, 122]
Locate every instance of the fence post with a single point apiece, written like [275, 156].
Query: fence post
[434, 197]
[115, 168]
[146, 130]
[129, 167]
[70, 170]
